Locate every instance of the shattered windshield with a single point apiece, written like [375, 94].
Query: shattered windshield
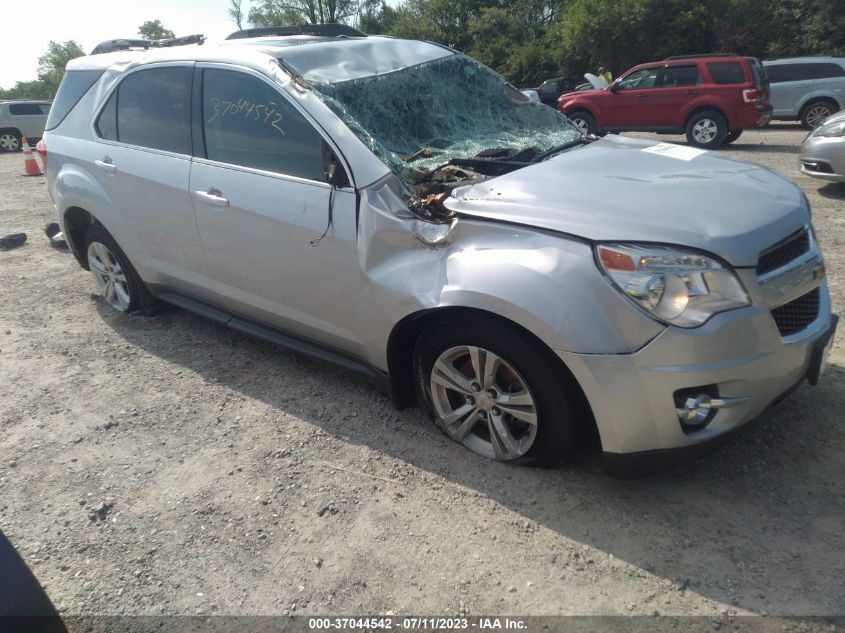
[420, 117]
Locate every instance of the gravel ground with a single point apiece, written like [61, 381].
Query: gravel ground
[163, 465]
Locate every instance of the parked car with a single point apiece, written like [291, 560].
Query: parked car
[551, 89]
[21, 118]
[807, 89]
[433, 229]
[710, 98]
[823, 151]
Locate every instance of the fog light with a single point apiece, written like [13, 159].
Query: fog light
[697, 410]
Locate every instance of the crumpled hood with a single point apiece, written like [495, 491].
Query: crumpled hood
[613, 190]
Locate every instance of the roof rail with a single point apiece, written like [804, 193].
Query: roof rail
[326, 30]
[699, 55]
[109, 46]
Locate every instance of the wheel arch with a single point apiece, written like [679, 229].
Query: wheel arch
[406, 333]
[708, 108]
[76, 221]
[810, 100]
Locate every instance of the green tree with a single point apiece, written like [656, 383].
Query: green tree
[376, 17]
[236, 12]
[51, 65]
[280, 12]
[154, 30]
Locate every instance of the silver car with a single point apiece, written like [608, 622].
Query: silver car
[21, 118]
[807, 89]
[823, 151]
[397, 208]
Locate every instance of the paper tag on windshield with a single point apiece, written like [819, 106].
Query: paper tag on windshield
[675, 151]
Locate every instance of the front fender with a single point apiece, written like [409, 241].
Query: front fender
[547, 283]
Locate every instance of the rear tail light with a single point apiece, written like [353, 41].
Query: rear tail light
[750, 96]
[41, 148]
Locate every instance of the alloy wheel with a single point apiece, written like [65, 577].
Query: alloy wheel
[704, 131]
[482, 402]
[816, 115]
[109, 276]
[581, 124]
[9, 142]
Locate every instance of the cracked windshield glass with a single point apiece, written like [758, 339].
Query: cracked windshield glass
[419, 118]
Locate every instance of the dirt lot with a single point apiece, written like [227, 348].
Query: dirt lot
[163, 465]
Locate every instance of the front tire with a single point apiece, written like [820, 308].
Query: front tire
[815, 112]
[496, 391]
[584, 121]
[706, 129]
[116, 279]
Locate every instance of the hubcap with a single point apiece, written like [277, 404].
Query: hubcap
[705, 130]
[9, 142]
[817, 115]
[109, 276]
[581, 124]
[483, 403]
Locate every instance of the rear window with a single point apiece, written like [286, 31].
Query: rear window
[780, 73]
[677, 76]
[74, 84]
[150, 108]
[25, 109]
[726, 72]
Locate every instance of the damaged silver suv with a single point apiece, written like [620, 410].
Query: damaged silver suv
[396, 207]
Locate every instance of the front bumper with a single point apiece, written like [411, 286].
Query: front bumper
[824, 157]
[740, 352]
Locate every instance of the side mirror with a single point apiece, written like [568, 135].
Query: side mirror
[614, 86]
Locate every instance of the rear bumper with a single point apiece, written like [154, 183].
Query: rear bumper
[740, 354]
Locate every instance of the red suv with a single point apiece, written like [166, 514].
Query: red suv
[710, 98]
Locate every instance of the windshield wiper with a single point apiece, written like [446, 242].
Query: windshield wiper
[559, 148]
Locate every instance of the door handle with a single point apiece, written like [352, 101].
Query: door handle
[106, 165]
[212, 197]
[691, 93]
[641, 97]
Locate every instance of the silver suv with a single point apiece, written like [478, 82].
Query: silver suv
[807, 89]
[21, 118]
[397, 208]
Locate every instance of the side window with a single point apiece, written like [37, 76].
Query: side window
[781, 73]
[639, 79]
[45, 108]
[726, 72]
[25, 109]
[548, 87]
[826, 70]
[107, 122]
[247, 122]
[153, 109]
[677, 76]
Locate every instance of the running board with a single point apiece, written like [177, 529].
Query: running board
[291, 343]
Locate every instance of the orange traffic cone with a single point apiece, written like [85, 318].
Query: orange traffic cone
[30, 165]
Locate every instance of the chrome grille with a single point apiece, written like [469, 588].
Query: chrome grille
[798, 314]
[784, 252]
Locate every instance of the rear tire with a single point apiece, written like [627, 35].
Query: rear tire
[706, 129]
[815, 112]
[10, 141]
[495, 390]
[732, 136]
[584, 121]
[116, 279]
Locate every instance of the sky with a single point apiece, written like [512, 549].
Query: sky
[31, 25]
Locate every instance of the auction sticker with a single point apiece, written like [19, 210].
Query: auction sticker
[675, 151]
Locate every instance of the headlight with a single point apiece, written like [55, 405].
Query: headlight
[832, 129]
[678, 287]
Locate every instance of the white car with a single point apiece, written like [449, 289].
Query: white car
[21, 118]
